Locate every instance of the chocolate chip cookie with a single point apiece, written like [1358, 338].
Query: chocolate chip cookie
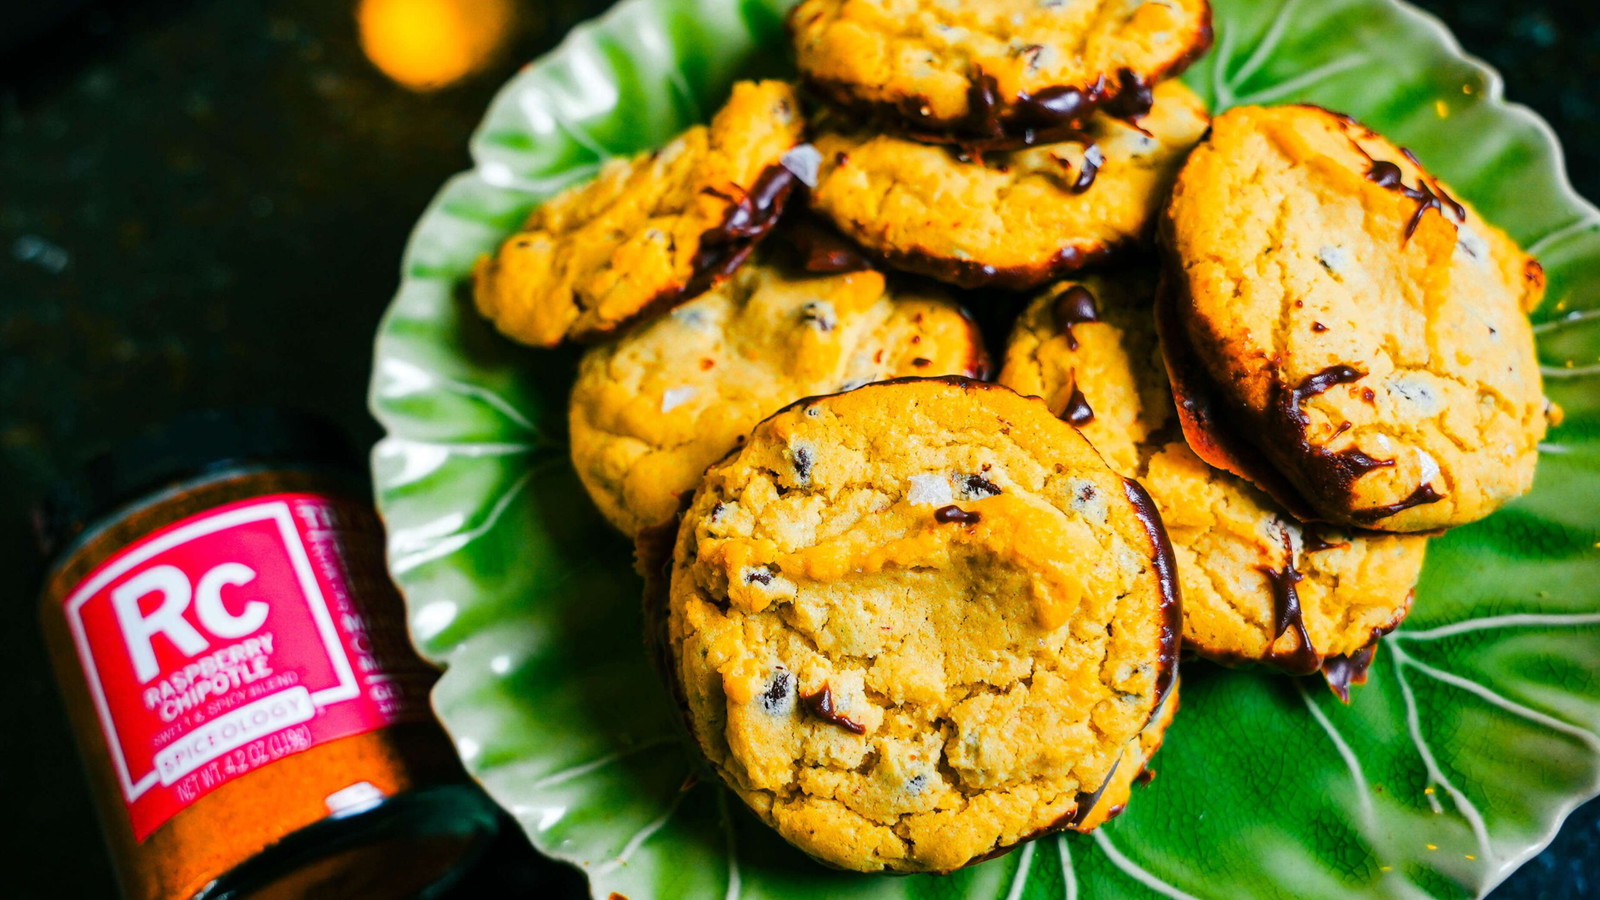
[1345, 331]
[648, 232]
[1258, 586]
[669, 397]
[998, 72]
[914, 624]
[1012, 219]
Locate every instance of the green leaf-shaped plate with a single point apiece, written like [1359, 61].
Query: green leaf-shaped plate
[1474, 738]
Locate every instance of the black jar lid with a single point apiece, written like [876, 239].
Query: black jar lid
[188, 446]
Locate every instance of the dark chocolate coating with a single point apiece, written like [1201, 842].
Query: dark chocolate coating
[1344, 671]
[971, 273]
[1086, 800]
[1166, 566]
[1270, 448]
[1286, 614]
[1428, 194]
[749, 218]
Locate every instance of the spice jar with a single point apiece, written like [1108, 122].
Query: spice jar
[235, 663]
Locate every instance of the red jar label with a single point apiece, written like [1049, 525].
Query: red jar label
[236, 637]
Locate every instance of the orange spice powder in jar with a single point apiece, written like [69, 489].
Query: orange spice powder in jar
[235, 663]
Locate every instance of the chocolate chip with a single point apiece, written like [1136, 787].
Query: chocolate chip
[776, 698]
[802, 463]
[758, 576]
[977, 486]
[818, 315]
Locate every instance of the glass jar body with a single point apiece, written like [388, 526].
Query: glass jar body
[359, 794]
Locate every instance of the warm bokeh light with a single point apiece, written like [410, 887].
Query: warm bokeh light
[427, 44]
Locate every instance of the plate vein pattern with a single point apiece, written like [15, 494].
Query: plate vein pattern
[408, 378]
[594, 765]
[1570, 371]
[1495, 699]
[1138, 872]
[642, 835]
[1069, 877]
[1363, 791]
[558, 120]
[1576, 317]
[1589, 219]
[1221, 53]
[1431, 764]
[433, 548]
[1266, 46]
[1518, 620]
[1019, 879]
[1295, 86]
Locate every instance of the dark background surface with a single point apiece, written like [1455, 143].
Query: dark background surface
[204, 203]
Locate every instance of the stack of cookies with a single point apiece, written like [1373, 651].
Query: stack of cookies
[914, 617]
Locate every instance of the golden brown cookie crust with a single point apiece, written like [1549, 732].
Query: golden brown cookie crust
[653, 408]
[1002, 72]
[1133, 769]
[648, 232]
[1256, 583]
[919, 622]
[1362, 331]
[1009, 219]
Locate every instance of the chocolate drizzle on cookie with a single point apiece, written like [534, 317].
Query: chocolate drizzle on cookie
[823, 250]
[944, 515]
[983, 105]
[1313, 540]
[1093, 159]
[820, 704]
[1133, 99]
[1051, 107]
[1074, 306]
[1428, 194]
[1286, 611]
[750, 216]
[1077, 413]
[1423, 495]
[1341, 468]
[1343, 671]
